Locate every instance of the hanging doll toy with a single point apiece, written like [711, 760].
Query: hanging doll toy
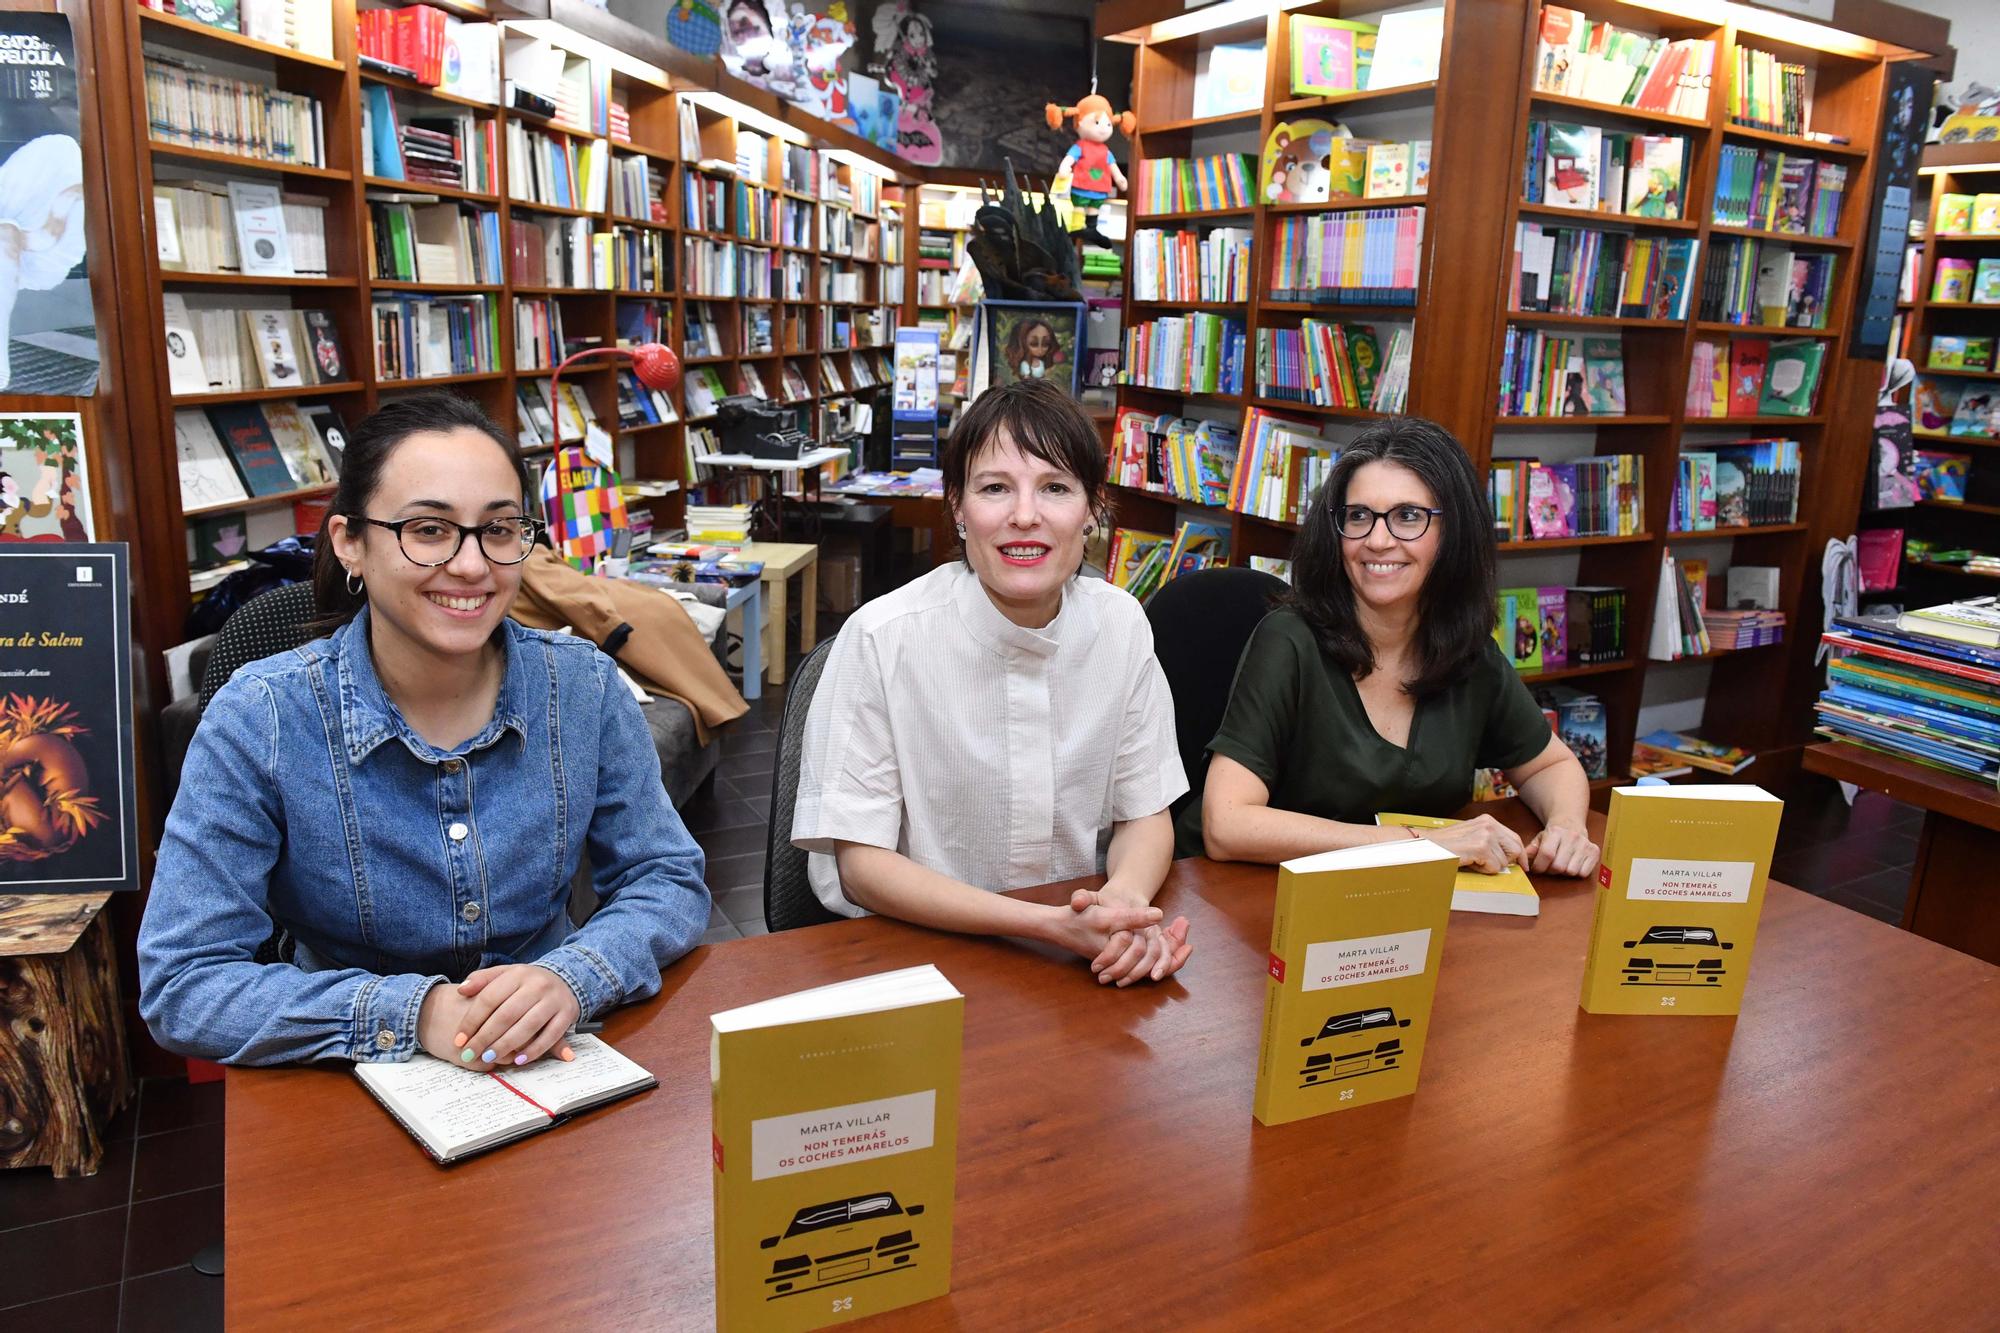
[1089, 168]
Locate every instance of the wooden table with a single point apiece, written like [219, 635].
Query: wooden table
[914, 510]
[64, 1066]
[1955, 883]
[1830, 1158]
[781, 561]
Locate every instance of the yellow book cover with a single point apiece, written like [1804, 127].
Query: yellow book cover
[835, 1152]
[1674, 931]
[1509, 893]
[1356, 938]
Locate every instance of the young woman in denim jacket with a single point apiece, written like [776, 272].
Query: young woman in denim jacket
[408, 797]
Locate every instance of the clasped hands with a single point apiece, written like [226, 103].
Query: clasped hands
[1123, 936]
[507, 1015]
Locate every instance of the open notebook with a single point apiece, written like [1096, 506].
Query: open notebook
[455, 1112]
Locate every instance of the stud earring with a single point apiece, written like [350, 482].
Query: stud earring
[960, 529]
[1089, 528]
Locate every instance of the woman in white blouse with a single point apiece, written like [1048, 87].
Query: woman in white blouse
[1001, 722]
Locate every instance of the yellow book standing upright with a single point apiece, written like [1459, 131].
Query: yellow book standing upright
[1679, 892]
[1356, 938]
[836, 1146]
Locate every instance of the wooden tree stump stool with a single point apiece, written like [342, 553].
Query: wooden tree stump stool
[64, 1069]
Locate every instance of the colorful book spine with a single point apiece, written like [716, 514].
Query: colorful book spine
[1356, 257]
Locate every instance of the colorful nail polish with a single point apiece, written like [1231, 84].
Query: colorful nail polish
[520, 1059]
[460, 1039]
[488, 1057]
[466, 1055]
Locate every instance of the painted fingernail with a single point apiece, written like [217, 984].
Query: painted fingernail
[520, 1059]
[460, 1039]
[466, 1055]
[488, 1057]
[568, 1054]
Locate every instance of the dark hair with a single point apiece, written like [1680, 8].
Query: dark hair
[1455, 612]
[369, 444]
[1044, 422]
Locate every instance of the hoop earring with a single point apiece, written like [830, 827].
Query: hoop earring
[354, 584]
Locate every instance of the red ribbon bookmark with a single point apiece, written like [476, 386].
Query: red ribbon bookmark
[522, 1095]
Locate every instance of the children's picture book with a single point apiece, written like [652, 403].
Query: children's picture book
[1986, 215]
[1509, 893]
[1228, 78]
[1681, 888]
[1297, 162]
[1948, 353]
[1936, 401]
[1518, 627]
[1328, 56]
[1986, 283]
[835, 1150]
[1551, 500]
[1407, 46]
[1356, 939]
[1791, 377]
[1604, 376]
[1687, 749]
[1952, 283]
[1746, 374]
[1954, 214]
[454, 1113]
[1974, 414]
[1552, 605]
[1388, 170]
[1941, 476]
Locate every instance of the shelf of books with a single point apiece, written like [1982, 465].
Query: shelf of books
[1932, 540]
[1681, 206]
[349, 203]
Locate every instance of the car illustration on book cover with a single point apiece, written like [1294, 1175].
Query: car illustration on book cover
[843, 1241]
[1675, 956]
[1362, 1056]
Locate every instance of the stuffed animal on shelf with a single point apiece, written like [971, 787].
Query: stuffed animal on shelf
[1089, 168]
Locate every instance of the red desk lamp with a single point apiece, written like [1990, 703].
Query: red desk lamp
[657, 367]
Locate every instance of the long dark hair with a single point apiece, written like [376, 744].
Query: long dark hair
[1455, 606]
[1043, 422]
[369, 446]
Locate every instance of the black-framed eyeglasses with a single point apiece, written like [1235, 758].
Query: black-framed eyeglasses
[431, 542]
[1406, 522]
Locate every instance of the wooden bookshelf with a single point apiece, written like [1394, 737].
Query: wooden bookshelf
[647, 451]
[1478, 133]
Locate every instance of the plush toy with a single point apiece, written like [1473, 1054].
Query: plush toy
[1089, 169]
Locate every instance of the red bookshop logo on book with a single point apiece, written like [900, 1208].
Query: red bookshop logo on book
[716, 1139]
[1277, 969]
[1604, 875]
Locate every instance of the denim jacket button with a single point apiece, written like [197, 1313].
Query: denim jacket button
[452, 765]
[458, 832]
[385, 1040]
[470, 911]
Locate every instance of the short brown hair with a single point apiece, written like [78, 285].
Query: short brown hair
[1043, 422]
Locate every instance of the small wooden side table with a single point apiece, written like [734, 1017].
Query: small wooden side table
[781, 561]
[64, 1068]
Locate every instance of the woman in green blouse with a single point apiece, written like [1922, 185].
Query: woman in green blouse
[1378, 685]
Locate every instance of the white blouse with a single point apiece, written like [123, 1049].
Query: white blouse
[997, 755]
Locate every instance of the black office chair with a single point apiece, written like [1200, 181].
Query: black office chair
[789, 901]
[1200, 623]
[271, 622]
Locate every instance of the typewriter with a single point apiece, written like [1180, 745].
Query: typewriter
[754, 427]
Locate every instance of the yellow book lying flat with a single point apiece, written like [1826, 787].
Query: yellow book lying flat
[1674, 930]
[1356, 937]
[1509, 893]
[836, 1147]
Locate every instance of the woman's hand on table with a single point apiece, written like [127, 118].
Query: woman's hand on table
[1561, 850]
[1153, 953]
[1483, 843]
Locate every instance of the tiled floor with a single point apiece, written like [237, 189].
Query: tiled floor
[111, 1252]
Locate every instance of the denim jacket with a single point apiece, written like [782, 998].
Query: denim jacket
[307, 801]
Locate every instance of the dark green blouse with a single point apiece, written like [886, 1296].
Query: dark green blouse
[1296, 720]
